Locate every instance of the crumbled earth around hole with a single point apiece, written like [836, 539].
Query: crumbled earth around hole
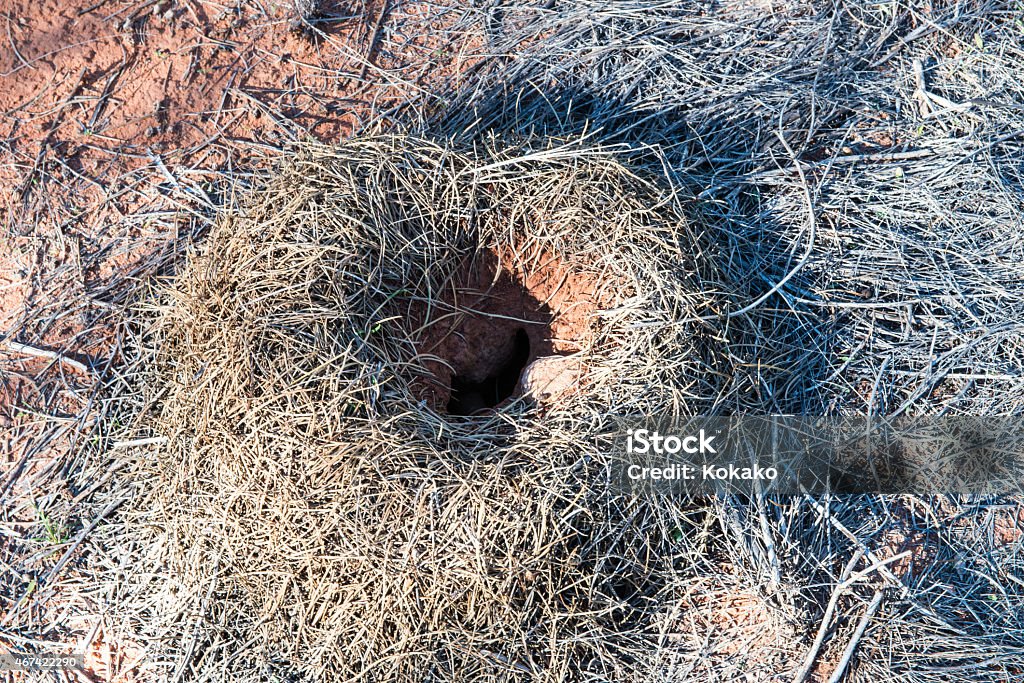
[470, 332]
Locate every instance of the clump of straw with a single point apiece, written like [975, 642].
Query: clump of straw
[344, 529]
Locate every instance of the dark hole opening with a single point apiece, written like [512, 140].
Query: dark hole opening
[470, 396]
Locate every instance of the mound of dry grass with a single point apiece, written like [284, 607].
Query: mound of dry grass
[345, 527]
[424, 545]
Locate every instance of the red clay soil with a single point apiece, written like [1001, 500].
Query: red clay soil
[573, 296]
[109, 107]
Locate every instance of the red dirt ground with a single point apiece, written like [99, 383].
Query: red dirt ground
[117, 117]
[104, 102]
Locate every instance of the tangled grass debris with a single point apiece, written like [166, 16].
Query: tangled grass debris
[356, 530]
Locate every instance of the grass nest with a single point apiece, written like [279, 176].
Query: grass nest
[328, 488]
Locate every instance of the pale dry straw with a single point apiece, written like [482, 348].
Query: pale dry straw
[346, 530]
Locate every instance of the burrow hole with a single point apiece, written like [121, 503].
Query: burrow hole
[469, 396]
[491, 324]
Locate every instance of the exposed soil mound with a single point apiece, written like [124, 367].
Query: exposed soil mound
[352, 466]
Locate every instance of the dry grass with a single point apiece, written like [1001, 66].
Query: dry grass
[352, 532]
[904, 122]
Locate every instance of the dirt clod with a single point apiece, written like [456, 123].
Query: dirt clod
[547, 378]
